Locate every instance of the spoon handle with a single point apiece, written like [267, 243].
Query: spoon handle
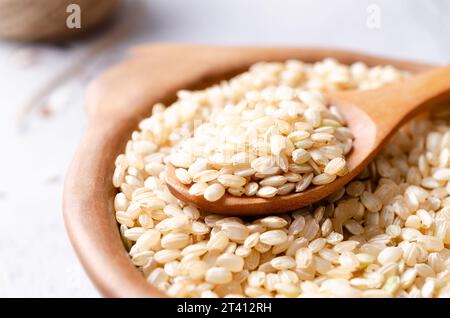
[392, 105]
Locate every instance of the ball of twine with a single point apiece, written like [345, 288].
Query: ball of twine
[45, 20]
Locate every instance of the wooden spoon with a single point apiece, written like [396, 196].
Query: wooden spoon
[372, 115]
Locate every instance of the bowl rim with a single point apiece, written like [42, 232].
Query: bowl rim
[116, 101]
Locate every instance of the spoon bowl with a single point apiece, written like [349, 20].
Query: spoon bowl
[232, 205]
[372, 116]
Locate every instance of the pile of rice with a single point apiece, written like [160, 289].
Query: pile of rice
[386, 234]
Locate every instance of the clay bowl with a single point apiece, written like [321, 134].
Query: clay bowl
[116, 102]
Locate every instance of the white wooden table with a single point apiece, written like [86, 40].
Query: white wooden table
[36, 258]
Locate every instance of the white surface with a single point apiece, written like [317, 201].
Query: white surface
[36, 259]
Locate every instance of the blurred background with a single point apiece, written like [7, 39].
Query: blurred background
[46, 62]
